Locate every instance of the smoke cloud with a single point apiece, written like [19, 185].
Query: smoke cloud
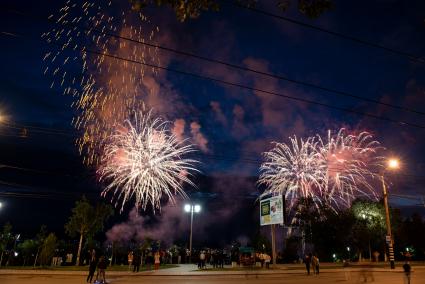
[198, 138]
[178, 129]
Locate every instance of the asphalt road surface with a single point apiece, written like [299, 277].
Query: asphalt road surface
[334, 277]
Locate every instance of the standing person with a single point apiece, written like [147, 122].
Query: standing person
[101, 267]
[213, 260]
[136, 261]
[148, 261]
[315, 264]
[202, 259]
[130, 258]
[157, 260]
[222, 259]
[199, 260]
[307, 261]
[407, 271]
[267, 260]
[92, 266]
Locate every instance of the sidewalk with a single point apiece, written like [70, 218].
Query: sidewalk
[191, 270]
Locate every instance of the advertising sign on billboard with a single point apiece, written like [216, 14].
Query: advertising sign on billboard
[271, 211]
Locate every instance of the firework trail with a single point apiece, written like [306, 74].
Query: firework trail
[330, 172]
[105, 90]
[143, 159]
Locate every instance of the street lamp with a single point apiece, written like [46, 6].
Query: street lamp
[191, 208]
[392, 164]
[349, 255]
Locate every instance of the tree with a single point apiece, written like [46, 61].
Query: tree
[86, 221]
[369, 226]
[39, 239]
[28, 248]
[48, 249]
[5, 238]
[261, 243]
[192, 9]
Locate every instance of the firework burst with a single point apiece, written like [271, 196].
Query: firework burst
[143, 159]
[352, 162]
[331, 172]
[294, 170]
[105, 90]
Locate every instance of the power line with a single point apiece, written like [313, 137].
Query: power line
[409, 55]
[36, 129]
[234, 66]
[241, 86]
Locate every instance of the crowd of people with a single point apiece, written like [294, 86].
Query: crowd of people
[213, 257]
[149, 259]
[134, 262]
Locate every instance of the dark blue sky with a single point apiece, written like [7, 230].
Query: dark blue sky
[238, 124]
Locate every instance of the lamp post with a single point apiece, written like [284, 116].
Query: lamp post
[190, 208]
[393, 164]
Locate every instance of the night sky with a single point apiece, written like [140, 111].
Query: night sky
[42, 173]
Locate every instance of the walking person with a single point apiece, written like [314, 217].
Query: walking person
[157, 259]
[407, 272]
[307, 261]
[101, 267]
[92, 266]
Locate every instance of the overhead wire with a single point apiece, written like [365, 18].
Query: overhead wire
[242, 86]
[411, 56]
[232, 65]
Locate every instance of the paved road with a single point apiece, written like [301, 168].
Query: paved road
[332, 277]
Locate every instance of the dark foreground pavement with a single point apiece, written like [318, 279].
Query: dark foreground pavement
[384, 277]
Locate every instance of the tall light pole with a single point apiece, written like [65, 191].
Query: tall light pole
[393, 164]
[190, 208]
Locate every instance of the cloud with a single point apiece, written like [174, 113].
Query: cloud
[239, 130]
[198, 138]
[178, 129]
[219, 115]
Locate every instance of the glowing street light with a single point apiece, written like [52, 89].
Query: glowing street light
[190, 208]
[393, 164]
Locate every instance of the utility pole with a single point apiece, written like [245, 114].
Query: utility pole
[273, 230]
[389, 237]
[190, 238]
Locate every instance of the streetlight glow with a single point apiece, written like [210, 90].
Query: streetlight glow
[197, 208]
[348, 248]
[187, 208]
[393, 163]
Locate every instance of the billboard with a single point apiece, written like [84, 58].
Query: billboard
[271, 211]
